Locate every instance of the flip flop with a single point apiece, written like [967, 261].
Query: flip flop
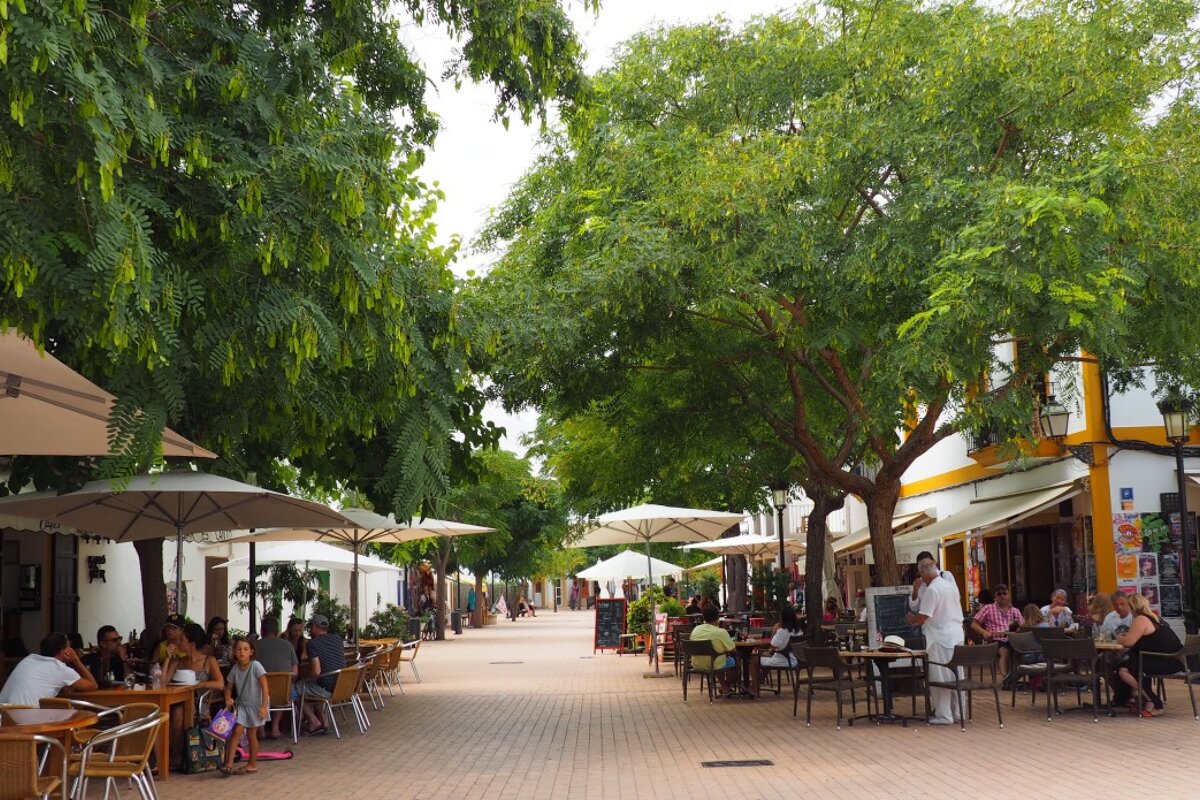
[318, 731]
[225, 771]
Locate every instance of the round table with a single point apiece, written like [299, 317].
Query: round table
[882, 659]
[38, 721]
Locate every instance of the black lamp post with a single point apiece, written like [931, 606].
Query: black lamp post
[779, 498]
[1177, 417]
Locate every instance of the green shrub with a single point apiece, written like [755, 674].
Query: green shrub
[637, 619]
[390, 622]
[338, 613]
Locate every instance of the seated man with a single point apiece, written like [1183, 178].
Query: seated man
[276, 655]
[325, 657]
[994, 621]
[109, 657]
[45, 674]
[722, 643]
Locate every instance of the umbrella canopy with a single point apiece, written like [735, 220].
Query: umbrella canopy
[315, 555]
[49, 409]
[752, 545]
[628, 564]
[650, 522]
[169, 504]
[363, 527]
[719, 561]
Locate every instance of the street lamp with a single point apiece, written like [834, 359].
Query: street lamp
[1053, 419]
[1177, 416]
[779, 498]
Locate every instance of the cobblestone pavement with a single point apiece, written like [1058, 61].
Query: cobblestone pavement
[524, 710]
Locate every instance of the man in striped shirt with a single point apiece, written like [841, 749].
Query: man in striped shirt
[995, 620]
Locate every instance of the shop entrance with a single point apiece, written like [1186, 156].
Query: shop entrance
[1032, 565]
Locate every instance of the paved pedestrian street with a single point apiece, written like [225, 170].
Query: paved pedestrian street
[524, 710]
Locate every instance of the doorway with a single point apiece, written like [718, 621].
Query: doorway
[64, 608]
[956, 565]
[1033, 564]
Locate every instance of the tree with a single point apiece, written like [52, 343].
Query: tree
[838, 214]
[212, 209]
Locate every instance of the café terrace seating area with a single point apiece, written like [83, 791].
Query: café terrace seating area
[85, 743]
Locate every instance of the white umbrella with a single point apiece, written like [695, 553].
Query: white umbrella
[719, 561]
[49, 409]
[316, 555]
[752, 545]
[169, 503]
[628, 564]
[650, 522]
[364, 527]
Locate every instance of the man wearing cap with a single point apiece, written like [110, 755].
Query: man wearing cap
[325, 657]
[940, 618]
[994, 620]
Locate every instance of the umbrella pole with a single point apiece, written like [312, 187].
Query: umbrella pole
[653, 627]
[354, 596]
[179, 571]
[253, 589]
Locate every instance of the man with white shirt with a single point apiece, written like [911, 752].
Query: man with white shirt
[940, 618]
[45, 674]
[914, 599]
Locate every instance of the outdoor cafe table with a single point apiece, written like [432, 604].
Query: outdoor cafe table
[882, 659]
[164, 698]
[745, 651]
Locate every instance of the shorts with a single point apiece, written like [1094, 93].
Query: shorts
[315, 690]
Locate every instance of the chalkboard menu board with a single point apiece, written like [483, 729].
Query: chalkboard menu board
[886, 609]
[610, 624]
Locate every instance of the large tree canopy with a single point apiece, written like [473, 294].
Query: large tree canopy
[838, 213]
[211, 208]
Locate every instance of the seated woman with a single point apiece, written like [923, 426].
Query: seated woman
[831, 609]
[1058, 613]
[693, 606]
[781, 654]
[1151, 634]
[208, 677]
[218, 638]
[295, 635]
[1033, 618]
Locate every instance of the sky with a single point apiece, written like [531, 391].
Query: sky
[476, 161]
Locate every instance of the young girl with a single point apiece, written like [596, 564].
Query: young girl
[250, 680]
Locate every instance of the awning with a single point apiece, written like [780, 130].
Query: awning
[712, 562]
[901, 523]
[1003, 511]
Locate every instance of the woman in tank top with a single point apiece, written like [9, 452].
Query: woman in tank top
[1150, 634]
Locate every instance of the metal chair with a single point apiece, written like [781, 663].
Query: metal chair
[391, 671]
[408, 655]
[341, 696]
[1188, 655]
[841, 679]
[20, 776]
[780, 672]
[1024, 644]
[702, 648]
[967, 656]
[680, 632]
[129, 746]
[279, 698]
[1042, 634]
[1071, 663]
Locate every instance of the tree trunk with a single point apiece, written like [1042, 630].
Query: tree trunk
[737, 583]
[881, 506]
[154, 586]
[439, 603]
[478, 615]
[814, 565]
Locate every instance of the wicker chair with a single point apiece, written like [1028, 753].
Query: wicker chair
[967, 656]
[841, 679]
[1188, 657]
[391, 671]
[341, 696]
[373, 667]
[122, 752]
[279, 694]
[1024, 644]
[1071, 663]
[408, 655]
[702, 648]
[19, 773]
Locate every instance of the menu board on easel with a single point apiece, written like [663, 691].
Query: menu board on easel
[886, 610]
[610, 624]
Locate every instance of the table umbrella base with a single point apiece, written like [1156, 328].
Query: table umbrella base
[657, 675]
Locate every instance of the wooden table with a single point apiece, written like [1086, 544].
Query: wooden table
[882, 659]
[745, 651]
[164, 698]
[56, 722]
[1109, 647]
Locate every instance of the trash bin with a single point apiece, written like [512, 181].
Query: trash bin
[414, 627]
[456, 622]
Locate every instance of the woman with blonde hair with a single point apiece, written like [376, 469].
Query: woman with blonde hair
[1149, 633]
[1033, 617]
[1099, 607]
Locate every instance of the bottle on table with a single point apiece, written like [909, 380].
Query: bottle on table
[156, 677]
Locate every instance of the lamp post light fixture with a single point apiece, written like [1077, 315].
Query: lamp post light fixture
[1053, 418]
[1177, 418]
[779, 498]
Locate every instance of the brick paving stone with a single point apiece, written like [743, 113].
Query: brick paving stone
[564, 724]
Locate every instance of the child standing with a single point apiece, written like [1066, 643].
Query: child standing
[250, 679]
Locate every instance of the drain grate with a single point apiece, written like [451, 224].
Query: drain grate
[753, 762]
[585, 658]
[506, 662]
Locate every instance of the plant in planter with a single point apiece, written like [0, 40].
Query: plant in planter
[390, 622]
[707, 585]
[637, 619]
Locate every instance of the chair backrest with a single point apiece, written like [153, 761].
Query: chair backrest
[915, 642]
[279, 688]
[1024, 643]
[797, 648]
[1042, 634]
[409, 651]
[823, 658]
[1069, 650]
[347, 683]
[974, 655]
[18, 766]
[698, 647]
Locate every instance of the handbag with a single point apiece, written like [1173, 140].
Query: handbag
[222, 725]
[201, 751]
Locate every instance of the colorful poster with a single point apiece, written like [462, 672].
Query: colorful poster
[1172, 600]
[1127, 535]
[1168, 569]
[1127, 568]
[1150, 591]
[1148, 566]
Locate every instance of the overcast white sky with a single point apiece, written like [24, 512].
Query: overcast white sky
[476, 161]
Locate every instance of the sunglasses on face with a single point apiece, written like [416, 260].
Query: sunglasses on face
[114, 639]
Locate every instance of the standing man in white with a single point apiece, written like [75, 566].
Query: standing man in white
[914, 599]
[940, 618]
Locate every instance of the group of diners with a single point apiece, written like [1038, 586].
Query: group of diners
[776, 653]
[1126, 618]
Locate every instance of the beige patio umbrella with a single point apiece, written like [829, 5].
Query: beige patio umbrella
[649, 522]
[49, 409]
[364, 527]
[754, 546]
[169, 504]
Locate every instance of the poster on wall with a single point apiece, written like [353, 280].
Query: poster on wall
[1171, 598]
[1150, 591]
[1168, 569]
[1127, 535]
[1127, 569]
[1148, 566]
